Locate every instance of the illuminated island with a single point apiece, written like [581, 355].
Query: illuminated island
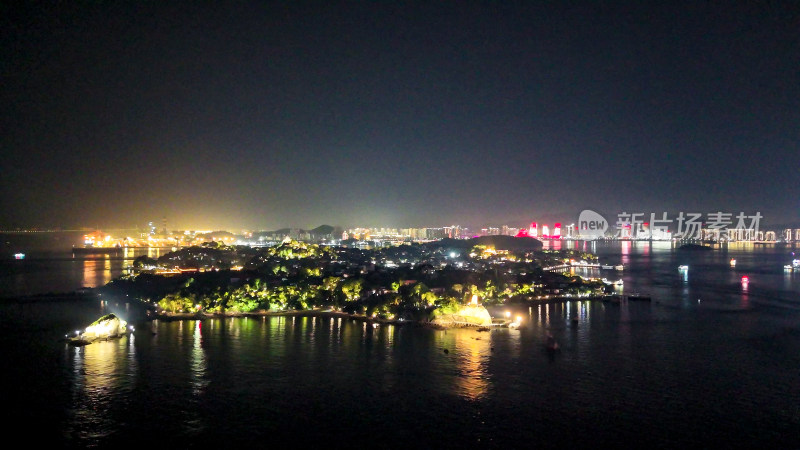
[107, 327]
[437, 282]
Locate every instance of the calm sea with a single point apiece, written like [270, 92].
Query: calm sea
[59, 271]
[708, 363]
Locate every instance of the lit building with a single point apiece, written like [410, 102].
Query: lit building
[643, 231]
[625, 231]
[545, 231]
[570, 231]
[557, 231]
[533, 231]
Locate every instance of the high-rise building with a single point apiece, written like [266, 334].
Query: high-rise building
[570, 231]
[545, 231]
[533, 231]
[557, 231]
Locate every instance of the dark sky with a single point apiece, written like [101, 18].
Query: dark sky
[397, 114]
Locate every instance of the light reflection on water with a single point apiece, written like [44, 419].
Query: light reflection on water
[470, 351]
[666, 368]
[102, 373]
[236, 373]
[43, 272]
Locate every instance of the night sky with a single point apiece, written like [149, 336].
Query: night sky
[253, 115]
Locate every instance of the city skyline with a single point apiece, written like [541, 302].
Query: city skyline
[262, 116]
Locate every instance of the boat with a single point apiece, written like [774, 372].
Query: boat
[618, 282]
[607, 266]
[683, 268]
[19, 255]
[619, 267]
[733, 262]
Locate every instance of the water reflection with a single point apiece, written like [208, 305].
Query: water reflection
[101, 372]
[98, 271]
[471, 350]
[199, 365]
[626, 251]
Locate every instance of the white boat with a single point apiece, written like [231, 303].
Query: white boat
[733, 262]
[607, 266]
[796, 263]
[683, 268]
[19, 255]
[619, 267]
[618, 282]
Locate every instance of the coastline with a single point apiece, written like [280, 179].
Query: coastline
[172, 317]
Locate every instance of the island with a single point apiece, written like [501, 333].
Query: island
[437, 282]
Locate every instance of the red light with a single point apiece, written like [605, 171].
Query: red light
[745, 279]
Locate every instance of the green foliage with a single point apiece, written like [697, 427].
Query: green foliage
[296, 275]
[176, 303]
[104, 318]
[352, 289]
[448, 305]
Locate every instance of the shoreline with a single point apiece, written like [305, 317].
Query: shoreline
[172, 317]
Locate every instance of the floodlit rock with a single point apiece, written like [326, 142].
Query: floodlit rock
[475, 315]
[108, 326]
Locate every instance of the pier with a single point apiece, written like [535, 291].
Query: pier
[561, 267]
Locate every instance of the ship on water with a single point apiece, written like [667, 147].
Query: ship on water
[97, 250]
[98, 243]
